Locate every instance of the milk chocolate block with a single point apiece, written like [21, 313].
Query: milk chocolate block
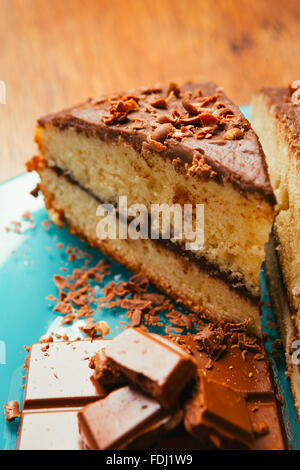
[158, 366]
[186, 144]
[218, 416]
[59, 382]
[59, 375]
[50, 430]
[126, 418]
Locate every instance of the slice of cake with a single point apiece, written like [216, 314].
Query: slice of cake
[276, 119]
[172, 146]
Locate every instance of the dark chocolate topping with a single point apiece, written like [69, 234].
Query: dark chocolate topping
[285, 102]
[196, 125]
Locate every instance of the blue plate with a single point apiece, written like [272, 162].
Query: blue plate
[28, 261]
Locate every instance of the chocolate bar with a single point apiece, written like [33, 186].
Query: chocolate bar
[59, 383]
[126, 418]
[60, 386]
[59, 375]
[157, 366]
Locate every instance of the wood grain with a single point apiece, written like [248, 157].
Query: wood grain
[54, 54]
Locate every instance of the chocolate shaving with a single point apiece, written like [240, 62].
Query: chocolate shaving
[173, 88]
[214, 339]
[164, 119]
[209, 100]
[189, 106]
[63, 307]
[211, 339]
[11, 411]
[119, 112]
[68, 319]
[199, 167]
[138, 283]
[234, 134]
[60, 281]
[247, 342]
[160, 103]
[136, 304]
[155, 299]
[152, 144]
[46, 339]
[151, 90]
[136, 317]
[162, 132]
[35, 191]
[89, 328]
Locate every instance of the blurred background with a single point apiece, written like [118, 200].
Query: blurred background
[56, 53]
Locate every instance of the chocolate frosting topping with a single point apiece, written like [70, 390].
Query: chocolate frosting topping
[194, 125]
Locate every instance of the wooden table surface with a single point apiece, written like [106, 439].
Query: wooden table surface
[56, 53]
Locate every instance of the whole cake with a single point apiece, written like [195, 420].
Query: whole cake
[174, 146]
[276, 119]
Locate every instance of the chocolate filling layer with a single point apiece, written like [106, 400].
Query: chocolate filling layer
[233, 281]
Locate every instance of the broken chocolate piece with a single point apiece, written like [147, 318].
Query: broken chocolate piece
[158, 366]
[219, 416]
[126, 418]
[61, 377]
[136, 317]
[104, 373]
[211, 340]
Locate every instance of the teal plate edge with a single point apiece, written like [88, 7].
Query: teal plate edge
[28, 262]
